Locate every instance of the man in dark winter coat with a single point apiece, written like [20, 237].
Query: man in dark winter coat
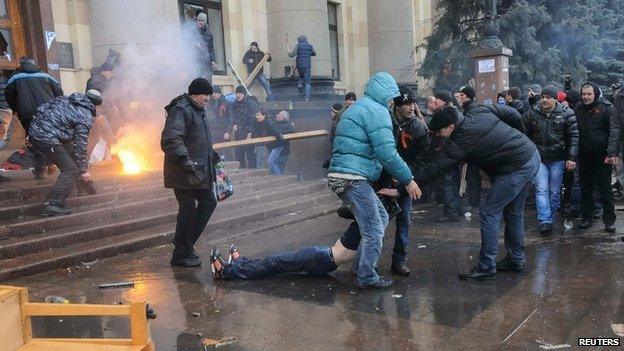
[26, 90]
[553, 129]
[243, 118]
[220, 115]
[513, 99]
[511, 161]
[412, 142]
[60, 130]
[204, 46]
[594, 116]
[304, 52]
[252, 58]
[189, 168]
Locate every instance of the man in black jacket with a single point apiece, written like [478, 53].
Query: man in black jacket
[189, 168]
[252, 58]
[511, 161]
[513, 99]
[553, 129]
[594, 116]
[412, 140]
[60, 130]
[243, 119]
[26, 90]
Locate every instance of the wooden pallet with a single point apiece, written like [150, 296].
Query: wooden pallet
[16, 332]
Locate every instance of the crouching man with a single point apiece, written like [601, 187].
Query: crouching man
[511, 160]
[60, 130]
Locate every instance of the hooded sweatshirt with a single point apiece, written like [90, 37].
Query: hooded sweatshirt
[364, 142]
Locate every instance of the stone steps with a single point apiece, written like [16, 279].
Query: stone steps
[248, 218]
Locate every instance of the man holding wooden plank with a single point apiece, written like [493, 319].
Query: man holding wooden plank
[254, 59]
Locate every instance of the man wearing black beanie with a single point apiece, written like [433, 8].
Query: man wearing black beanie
[189, 168]
[243, 119]
[509, 158]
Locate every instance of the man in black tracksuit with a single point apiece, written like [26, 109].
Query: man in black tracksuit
[552, 127]
[189, 168]
[412, 140]
[594, 116]
[486, 140]
[26, 90]
[60, 130]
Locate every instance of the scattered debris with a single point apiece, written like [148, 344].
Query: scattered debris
[549, 346]
[468, 214]
[352, 292]
[417, 212]
[519, 325]
[92, 263]
[422, 246]
[295, 213]
[568, 224]
[117, 285]
[397, 296]
[196, 314]
[618, 329]
[56, 299]
[212, 343]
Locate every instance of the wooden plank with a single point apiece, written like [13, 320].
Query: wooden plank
[11, 334]
[50, 345]
[266, 140]
[259, 66]
[138, 323]
[48, 309]
[26, 322]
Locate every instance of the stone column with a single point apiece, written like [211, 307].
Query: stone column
[115, 24]
[391, 38]
[299, 17]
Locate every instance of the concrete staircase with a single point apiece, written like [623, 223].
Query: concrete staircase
[134, 212]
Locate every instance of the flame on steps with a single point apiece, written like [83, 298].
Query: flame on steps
[135, 147]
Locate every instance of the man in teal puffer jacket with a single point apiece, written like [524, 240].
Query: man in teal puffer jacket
[364, 144]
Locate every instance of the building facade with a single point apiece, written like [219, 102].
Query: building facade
[352, 38]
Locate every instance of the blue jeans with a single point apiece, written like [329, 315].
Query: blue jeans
[261, 152]
[372, 220]
[401, 239]
[548, 190]
[450, 186]
[314, 260]
[274, 166]
[264, 81]
[505, 199]
[305, 81]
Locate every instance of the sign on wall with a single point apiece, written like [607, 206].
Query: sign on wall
[65, 55]
[487, 66]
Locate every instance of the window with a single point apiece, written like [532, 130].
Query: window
[212, 8]
[332, 13]
[12, 45]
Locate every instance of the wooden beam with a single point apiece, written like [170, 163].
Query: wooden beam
[259, 66]
[49, 309]
[138, 323]
[266, 140]
[123, 342]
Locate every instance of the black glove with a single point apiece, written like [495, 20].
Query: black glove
[189, 167]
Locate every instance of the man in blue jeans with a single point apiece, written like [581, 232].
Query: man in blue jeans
[487, 141]
[553, 129]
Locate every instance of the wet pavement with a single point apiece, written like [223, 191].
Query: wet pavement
[574, 287]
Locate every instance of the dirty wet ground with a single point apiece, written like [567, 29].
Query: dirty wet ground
[574, 287]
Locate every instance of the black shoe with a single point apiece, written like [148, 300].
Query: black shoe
[446, 219]
[585, 224]
[185, 262]
[234, 254]
[400, 268]
[216, 263]
[506, 264]
[546, 229]
[379, 284]
[53, 210]
[609, 228]
[476, 275]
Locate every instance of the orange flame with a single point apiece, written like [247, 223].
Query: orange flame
[135, 148]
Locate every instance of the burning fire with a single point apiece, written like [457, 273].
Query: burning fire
[135, 148]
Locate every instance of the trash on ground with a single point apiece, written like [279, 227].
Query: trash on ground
[56, 299]
[196, 314]
[117, 285]
[218, 343]
[417, 212]
[422, 246]
[618, 329]
[92, 263]
[568, 224]
[397, 296]
[549, 346]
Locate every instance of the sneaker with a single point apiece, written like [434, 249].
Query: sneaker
[381, 283]
[53, 210]
[216, 263]
[234, 254]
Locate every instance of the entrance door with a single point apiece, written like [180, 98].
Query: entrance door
[12, 44]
